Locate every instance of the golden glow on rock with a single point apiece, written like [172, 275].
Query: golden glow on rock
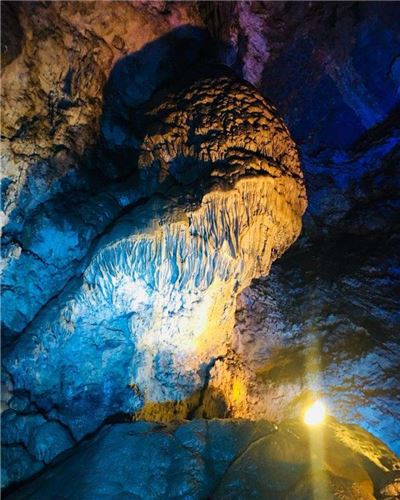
[315, 414]
[238, 391]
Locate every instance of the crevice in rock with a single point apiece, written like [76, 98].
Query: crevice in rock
[78, 269]
[237, 458]
[203, 390]
[21, 444]
[45, 415]
[112, 419]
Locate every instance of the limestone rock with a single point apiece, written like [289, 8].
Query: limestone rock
[17, 465]
[214, 124]
[56, 99]
[56, 197]
[216, 458]
[154, 307]
[325, 321]
[317, 62]
[319, 65]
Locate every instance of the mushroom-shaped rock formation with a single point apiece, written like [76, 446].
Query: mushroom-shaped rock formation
[155, 305]
[216, 125]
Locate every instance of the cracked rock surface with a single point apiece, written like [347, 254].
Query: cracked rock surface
[154, 304]
[222, 459]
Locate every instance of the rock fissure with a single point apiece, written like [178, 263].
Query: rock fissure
[235, 461]
[207, 375]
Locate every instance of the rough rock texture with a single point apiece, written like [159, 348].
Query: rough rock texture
[326, 322]
[52, 111]
[333, 53]
[221, 459]
[337, 298]
[92, 139]
[154, 306]
[56, 199]
[221, 123]
[29, 442]
[322, 66]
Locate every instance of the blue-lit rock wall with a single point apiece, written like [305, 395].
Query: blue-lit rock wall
[219, 459]
[332, 70]
[86, 157]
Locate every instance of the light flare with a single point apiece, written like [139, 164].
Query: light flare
[315, 414]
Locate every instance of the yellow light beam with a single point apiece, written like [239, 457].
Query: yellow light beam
[315, 414]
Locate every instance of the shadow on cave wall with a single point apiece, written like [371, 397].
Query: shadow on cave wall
[132, 82]
[56, 228]
[59, 232]
[11, 33]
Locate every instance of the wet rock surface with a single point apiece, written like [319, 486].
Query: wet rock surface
[220, 459]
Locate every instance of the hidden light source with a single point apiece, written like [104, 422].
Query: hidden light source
[315, 414]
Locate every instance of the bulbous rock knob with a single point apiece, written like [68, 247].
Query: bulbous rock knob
[156, 302]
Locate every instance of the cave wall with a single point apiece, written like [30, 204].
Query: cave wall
[333, 72]
[330, 307]
[85, 156]
[120, 283]
[55, 170]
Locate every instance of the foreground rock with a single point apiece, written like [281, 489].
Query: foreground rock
[221, 459]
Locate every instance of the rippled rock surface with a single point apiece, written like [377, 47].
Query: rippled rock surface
[154, 306]
[337, 298]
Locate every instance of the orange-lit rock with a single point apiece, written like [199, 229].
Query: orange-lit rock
[155, 306]
[219, 459]
[58, 57]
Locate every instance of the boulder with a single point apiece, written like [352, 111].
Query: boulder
[221, 459]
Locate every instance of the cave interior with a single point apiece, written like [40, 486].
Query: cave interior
[200, 250]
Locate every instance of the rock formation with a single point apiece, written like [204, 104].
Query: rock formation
[52, 163]
[319, 65]
[220, 459]
[336, 298]
[145, 186]
[154, 306]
